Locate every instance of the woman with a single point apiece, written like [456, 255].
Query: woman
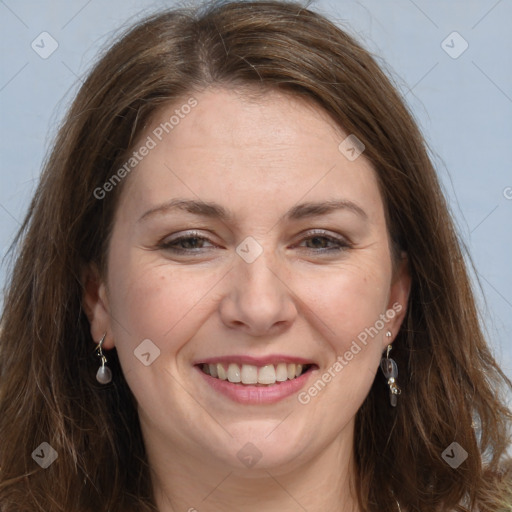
[237, 227]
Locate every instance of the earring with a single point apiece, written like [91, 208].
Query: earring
[103, 375]
[390, 371]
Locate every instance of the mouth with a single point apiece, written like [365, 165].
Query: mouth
[253, 375]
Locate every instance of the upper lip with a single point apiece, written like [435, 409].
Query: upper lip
[256, 361]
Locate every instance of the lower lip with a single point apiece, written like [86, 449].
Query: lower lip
[247, 394]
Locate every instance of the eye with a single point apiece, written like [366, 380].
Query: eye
[189, 243]
[319, 240]
[194, 243]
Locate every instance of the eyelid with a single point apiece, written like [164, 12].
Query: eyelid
[308, 232]
[186, 234]
[311, 233]
[322, 232]
[167, 241]
[341, 242]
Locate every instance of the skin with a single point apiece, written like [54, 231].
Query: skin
[257, 157]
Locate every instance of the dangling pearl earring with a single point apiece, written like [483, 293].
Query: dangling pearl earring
[103, 375]
[390, 370]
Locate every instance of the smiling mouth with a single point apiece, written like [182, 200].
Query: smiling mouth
[248, 374]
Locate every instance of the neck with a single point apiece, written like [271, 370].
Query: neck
[188, 483]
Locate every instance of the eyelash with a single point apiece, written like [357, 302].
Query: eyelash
[341, 245]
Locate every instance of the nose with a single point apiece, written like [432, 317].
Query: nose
[259, 301]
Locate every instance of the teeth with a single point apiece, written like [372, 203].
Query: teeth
[221, 373]
[267, 374]
[251, 374]
[281, 372]
[234, 373]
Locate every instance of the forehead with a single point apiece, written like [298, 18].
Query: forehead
[268, 146]
[237, 117]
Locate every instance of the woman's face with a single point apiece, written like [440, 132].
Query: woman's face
[272, 284]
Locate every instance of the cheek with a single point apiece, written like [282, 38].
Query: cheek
[352, 307]
[155, 301]
[349, 302]
[162, 305]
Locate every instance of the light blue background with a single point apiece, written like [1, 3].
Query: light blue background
[463, 105]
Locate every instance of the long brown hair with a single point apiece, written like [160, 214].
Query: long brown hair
[451, 385]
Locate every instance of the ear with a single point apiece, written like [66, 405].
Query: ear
[398, 297]
[95, 304]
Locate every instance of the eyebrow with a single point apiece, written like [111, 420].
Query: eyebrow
[216, 211]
